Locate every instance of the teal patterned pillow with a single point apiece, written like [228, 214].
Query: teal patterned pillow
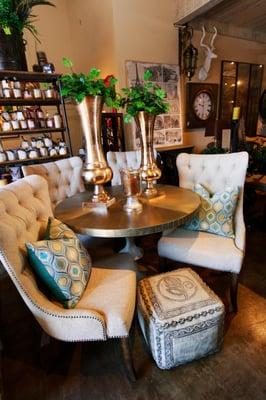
[216, 213]
[57, 230]
[63, 265]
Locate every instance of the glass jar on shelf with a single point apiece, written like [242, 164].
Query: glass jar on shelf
[37, 93]
[17, 92]
[6, 126]
[31, 123]
[49, 121]
[7, 94]
[15, 124]
[27, 94]
[57, 121]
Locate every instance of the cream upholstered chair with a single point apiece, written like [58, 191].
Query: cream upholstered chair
[63, 176]
[215, 172]
[107, 306]
[122, 159]
[64, 179]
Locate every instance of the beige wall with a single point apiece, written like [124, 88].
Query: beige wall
[92, 32]
[144, 31]
[106, 33]
[54, 34]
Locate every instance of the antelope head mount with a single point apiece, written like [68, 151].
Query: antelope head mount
[209, 54]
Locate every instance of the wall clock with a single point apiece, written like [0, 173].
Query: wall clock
[201, 104]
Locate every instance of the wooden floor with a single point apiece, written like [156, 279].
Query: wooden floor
[94, 371]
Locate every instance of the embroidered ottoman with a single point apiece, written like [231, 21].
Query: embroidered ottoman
[180, 316]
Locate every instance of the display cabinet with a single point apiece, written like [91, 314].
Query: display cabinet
[113, 132]
[33, 123]
[241, 86]
[168, 163]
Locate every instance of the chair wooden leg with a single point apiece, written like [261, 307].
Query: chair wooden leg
[233, 290]
[1, 375]
[162, 264]
[128, 359]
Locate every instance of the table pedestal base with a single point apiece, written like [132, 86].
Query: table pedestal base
[131, 248]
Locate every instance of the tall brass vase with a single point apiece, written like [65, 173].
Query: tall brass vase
[149, 169]
[95, 171]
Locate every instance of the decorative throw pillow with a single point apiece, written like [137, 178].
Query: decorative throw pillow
[216, 213]
[63, 265]
[57, 230]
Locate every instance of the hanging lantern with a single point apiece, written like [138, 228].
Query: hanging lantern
[190, 56]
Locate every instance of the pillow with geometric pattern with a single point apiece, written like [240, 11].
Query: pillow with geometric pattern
[57, 230]
[61, 263]
[216, 213]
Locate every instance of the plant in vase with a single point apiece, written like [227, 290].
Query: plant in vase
[143, 102]
[90, 93]
[15, 16]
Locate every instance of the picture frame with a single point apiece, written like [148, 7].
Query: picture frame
[168, 130]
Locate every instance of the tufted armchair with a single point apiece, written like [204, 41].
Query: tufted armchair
[122, 159]
[63, 176]
[107, 306]
[215, 172]
[64, 179]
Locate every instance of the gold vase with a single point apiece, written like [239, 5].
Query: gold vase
[95, 170]
[149, 169]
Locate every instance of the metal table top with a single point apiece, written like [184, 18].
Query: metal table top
[170, 209]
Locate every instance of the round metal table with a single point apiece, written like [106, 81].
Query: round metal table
[173, 207]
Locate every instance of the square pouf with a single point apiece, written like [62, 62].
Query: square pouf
[180, 316]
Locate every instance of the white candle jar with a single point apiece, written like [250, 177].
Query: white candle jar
[6, 126]
[17, 93]
[23, 124]
[31, 123]
[7, 93]
[15, 124]
[37, 93]
[49, 93]
[57, 121]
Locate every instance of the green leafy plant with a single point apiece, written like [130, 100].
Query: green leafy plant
[257, 157]
[15, 15]
[78, 86]
[147, 96]
[211, 149]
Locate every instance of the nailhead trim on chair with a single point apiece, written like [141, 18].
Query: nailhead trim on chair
[5, 261]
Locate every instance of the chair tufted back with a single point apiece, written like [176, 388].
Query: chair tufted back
[216, 172]
[24, 210]
[122, 159]
[63, 177]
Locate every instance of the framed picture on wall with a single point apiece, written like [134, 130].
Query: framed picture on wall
[168, 127]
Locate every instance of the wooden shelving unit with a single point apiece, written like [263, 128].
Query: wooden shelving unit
[58, 102]
[31, 161]
[21, 132]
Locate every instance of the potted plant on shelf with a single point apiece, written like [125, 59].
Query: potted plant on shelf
[143, 102]
[90, 93]
[15, 16]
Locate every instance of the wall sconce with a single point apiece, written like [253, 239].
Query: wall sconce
[188, 53]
